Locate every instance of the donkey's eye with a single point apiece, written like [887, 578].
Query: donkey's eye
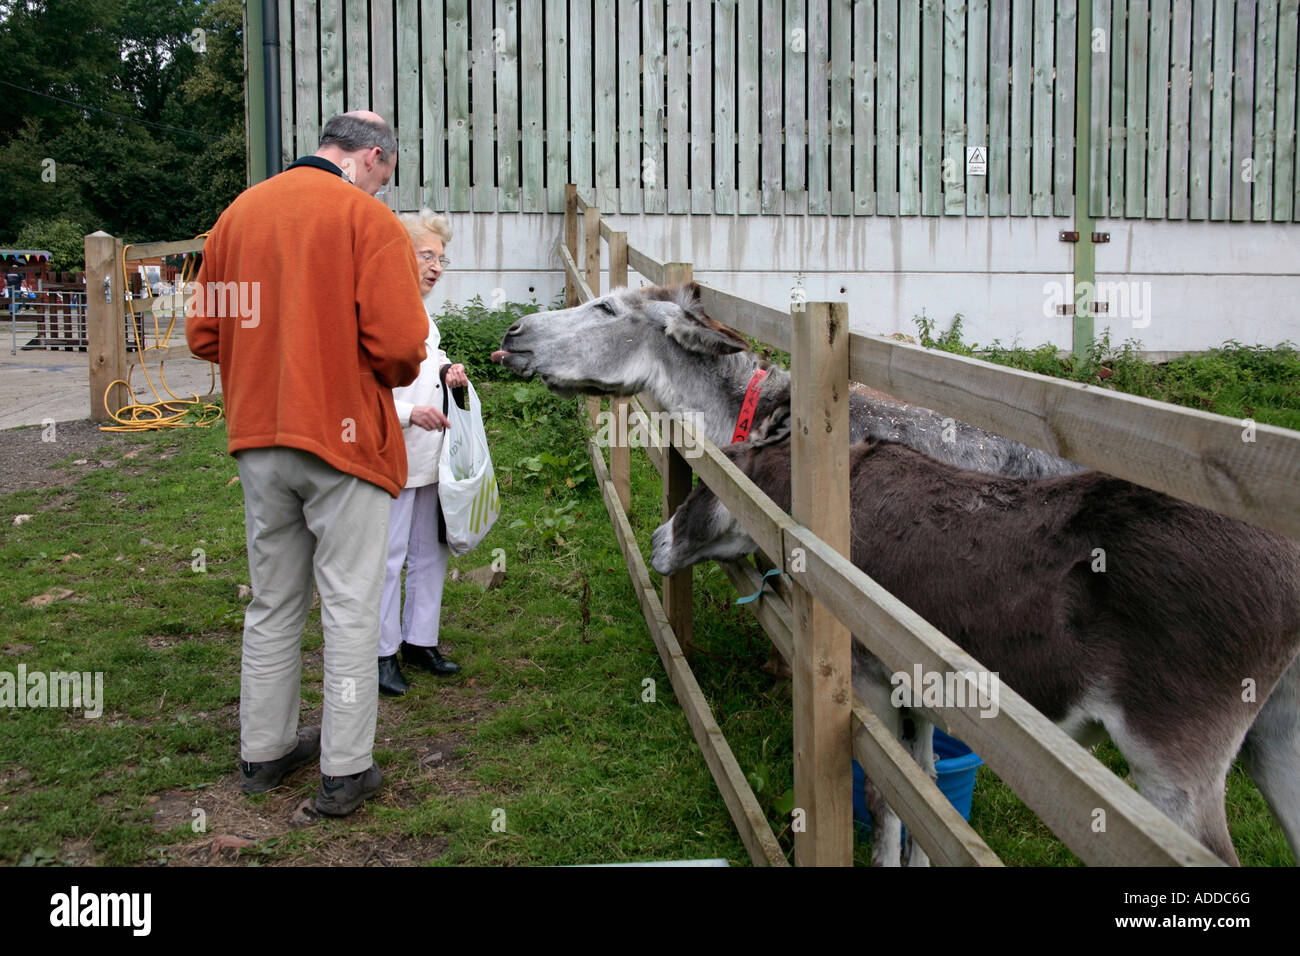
[605, 307]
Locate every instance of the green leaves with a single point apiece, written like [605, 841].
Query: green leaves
[949, 341]
[551, 523]
[531, 407]
[473, 331]
[40, 857]
[571, 471]
[761, 781]
[64, 239]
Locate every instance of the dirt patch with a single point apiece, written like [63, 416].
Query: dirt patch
[28, 455]
[229, 828]
[224, 823]
[78, 853]
[158, 642]
[13, 778]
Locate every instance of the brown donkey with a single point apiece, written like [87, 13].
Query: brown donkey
[1173, 649]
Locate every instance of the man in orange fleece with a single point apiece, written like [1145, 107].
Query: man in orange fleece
[308, 298]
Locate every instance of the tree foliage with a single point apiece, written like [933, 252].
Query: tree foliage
[121, 115]
[64, 239]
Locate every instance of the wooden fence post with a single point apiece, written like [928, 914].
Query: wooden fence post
[105, 331]
[570, 240]
[591, 226]
[676, 486]
[591, 244]
[823, 697]
[620, 464]
[617, 260]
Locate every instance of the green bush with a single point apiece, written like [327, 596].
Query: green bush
[949, 341]
[65, 239]
[1243, 381]
[1240, 381]
[473, 331]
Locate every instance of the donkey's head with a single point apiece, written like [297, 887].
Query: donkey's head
[702, 528]
[616, 344]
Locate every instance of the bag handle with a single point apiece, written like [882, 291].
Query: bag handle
[462, 401]
[462, 398]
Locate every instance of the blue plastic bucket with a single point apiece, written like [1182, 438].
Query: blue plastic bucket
[956, 765]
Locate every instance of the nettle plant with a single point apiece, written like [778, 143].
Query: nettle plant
[551, 523]
[530, 406]
[763, 780]
[571, 471]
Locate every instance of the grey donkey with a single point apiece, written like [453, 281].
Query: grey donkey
[658, 340]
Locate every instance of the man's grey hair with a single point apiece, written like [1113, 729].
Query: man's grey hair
[352, 133]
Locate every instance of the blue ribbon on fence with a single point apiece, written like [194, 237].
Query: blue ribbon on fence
[761, 585]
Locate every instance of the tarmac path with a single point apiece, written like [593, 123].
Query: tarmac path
[39, 386]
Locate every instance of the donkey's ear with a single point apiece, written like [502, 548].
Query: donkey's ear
[695, 331]
[773, 429]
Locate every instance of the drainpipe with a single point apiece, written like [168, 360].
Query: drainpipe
[262, 88]
[271, 68]
[254, 99]
[1085, 255]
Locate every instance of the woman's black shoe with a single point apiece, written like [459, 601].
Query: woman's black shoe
[428, 658]
[391, 681]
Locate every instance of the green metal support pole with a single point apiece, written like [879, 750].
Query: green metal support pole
[254, 91]
[1085, 254]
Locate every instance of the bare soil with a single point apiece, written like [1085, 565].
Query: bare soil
[232, 829]
[28, 455]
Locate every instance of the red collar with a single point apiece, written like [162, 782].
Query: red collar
[746, 417]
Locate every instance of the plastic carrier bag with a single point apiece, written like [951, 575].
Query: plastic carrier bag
[467, 485]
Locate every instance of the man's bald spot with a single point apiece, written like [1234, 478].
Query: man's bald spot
[368, 116]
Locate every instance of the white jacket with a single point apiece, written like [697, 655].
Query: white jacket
[423, 447]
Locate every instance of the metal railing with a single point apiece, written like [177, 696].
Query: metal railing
[49, 319]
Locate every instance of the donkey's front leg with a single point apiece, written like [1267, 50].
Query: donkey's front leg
[886, 828]
[871, 683]
[919, 740]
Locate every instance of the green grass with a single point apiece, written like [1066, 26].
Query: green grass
[546, 723]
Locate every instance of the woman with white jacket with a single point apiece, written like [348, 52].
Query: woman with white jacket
[414, 518]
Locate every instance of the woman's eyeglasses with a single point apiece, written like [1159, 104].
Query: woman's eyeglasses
[430, 257]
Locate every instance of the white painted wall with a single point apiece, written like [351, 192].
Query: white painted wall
[1195, 285]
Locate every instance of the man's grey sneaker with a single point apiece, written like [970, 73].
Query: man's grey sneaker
[339, 796]
[261, 777]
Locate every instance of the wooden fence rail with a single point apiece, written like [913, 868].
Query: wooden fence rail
[1254, 480]
[1238, 467]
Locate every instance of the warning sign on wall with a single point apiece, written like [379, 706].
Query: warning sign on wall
[977, 161]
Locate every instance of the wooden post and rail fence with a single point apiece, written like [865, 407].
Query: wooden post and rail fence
[1199, 457]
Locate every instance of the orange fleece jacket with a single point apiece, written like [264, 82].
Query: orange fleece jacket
[324, 321]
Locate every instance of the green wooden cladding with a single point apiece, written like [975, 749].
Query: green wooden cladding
[819, 107]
